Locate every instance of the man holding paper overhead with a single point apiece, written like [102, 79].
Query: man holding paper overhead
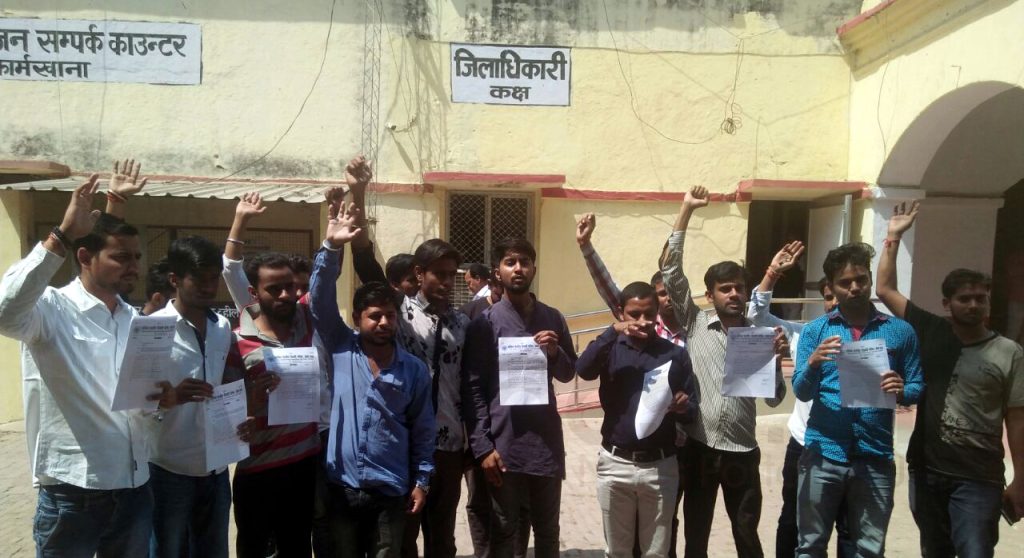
[519, 447]
[855, 364]
[975, 381]
[646, 386]
[191, 491]
[721, 449]
[381, 443]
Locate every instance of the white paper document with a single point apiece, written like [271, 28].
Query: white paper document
[297, 398]
[654, 401]
[225, 411]
[861, 365]
[147, 356]
[750, 362]
[522, 372]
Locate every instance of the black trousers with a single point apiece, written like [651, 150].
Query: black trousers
[543, 497]
[707, 469]
[275, 504]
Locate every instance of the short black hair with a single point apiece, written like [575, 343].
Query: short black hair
[724, 271]
[156, 280]
[375, 293]
[433, 250]
[301, 264]
[961, 277]
[657, 278]
[398, 267]
[272, 260]
[106, 226]
[822, 283]
[637, 289]
[512, 244]
[851, 253]
[192, 253]
[479, 271]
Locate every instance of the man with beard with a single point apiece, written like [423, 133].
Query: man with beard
[88, 462]
[381, 442]
[519, 447]
[847, 465]
[975, 380]
[274, 486]
[191, 500]
[721, 448]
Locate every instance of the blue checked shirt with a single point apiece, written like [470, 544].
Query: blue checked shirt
[841, 434]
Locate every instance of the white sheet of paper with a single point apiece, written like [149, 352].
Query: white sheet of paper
[297, 398]
[861, 365]
[144, 363]
[654, 401]
[522, 372]
[225, 411]
[750, 362]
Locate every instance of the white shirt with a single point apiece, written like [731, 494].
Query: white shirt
[759, 312]
[179, 442]
[484, 291]
[72, 347]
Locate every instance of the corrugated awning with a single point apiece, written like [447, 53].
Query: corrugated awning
[299, 191]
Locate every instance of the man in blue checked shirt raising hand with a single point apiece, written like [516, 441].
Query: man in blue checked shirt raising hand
[848, 455]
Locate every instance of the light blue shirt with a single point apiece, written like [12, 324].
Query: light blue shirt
[382, 429]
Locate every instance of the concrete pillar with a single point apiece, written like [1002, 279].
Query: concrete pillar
[16, 218]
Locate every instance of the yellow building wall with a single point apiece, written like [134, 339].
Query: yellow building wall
[17, 212]
[652, 85]
[886, 96]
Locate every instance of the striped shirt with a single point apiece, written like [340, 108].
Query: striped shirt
[842, 433]
[723, 423]
[609, 293]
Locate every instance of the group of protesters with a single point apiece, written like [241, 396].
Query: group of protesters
[412, 405]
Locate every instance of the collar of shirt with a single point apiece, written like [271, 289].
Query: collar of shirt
[664, 332]
[86, 301]
[427, 306]
[876, 316]
[247, 326]
[714, 322]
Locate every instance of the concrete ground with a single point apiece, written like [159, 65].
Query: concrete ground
[580, 519]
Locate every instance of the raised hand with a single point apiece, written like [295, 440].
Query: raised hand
[637, 329]
[125, 181]
[787, 257]
[358, 173]
[341, 225]
[902, 219]
[249, 206]
[696, 198]
[79, 217]
[585, 228]
[781, 343]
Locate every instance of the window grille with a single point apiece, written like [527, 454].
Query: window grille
[478, 221]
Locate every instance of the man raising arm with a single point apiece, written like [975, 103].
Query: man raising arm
[975, 380]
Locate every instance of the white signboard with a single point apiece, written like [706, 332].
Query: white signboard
[84, 50]
[511, 75]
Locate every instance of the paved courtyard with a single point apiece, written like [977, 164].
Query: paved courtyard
[580, 520]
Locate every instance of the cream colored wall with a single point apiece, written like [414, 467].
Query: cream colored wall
[887, 96]
[629, 238]
[778, 74]
[17, 209]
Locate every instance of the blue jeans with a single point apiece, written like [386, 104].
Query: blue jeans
[865, 483]
[957, 517]
[73, 522]
[190, 516]
[785, 535]
[365, 524]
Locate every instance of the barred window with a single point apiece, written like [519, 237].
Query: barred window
[477, 221]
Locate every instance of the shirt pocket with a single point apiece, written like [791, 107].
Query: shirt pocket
[94, 349]
[393, 395]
